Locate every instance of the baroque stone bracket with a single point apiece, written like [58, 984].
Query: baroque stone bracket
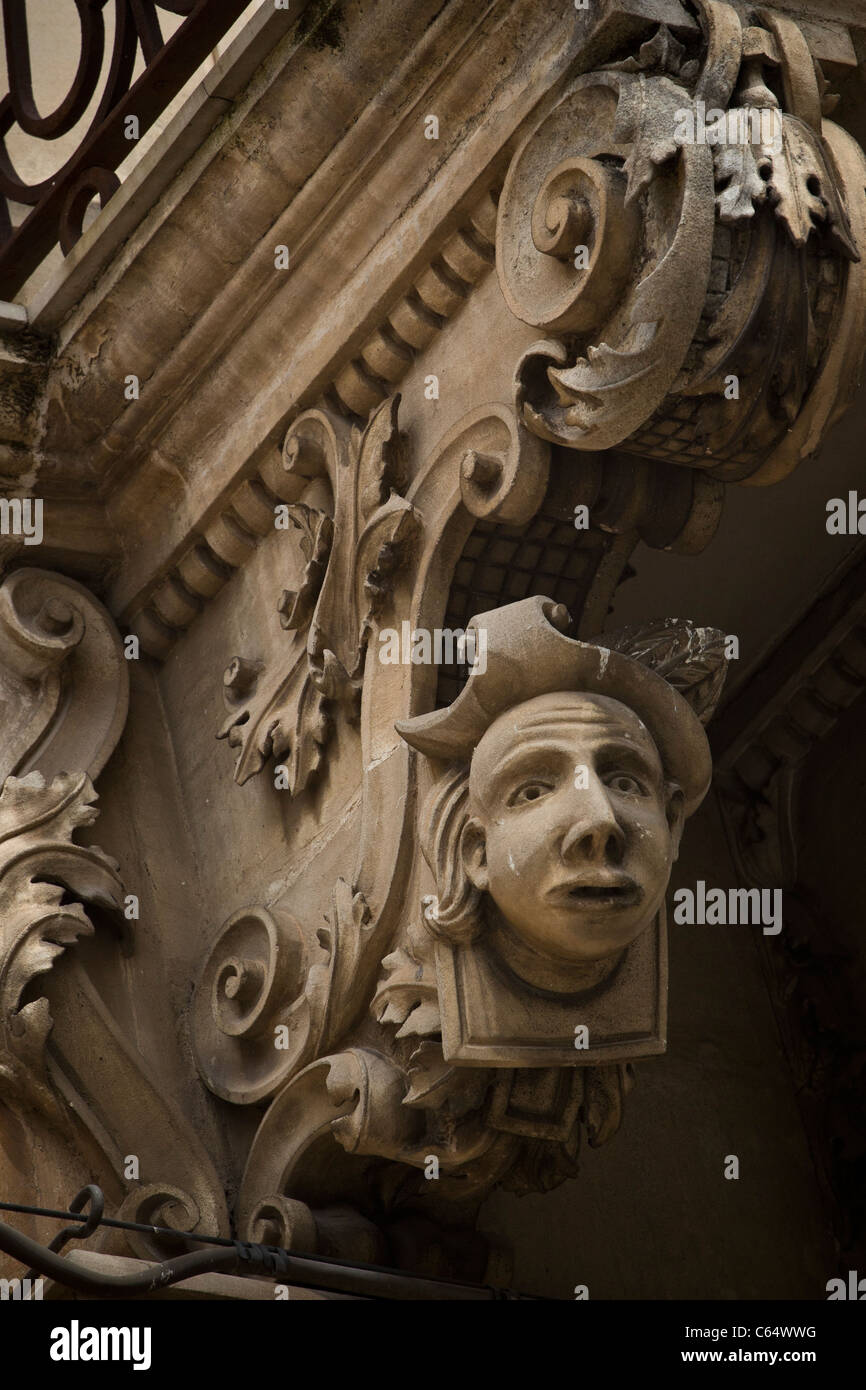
[81, 1092]
[688, 226]
[375, 543]
[373, 1069]
[702, 260]
[64, 694]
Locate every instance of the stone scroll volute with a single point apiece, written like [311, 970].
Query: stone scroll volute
[686, 228]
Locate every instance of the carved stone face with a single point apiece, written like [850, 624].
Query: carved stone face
[573, 829]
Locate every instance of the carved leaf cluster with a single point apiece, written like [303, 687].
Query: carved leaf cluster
[662, 53]
[39, 865]
[290, 725]
[351, 561]
[647, 118]
[795, 180]
[408, 997]
[738, 180]
[692, 659]
[317, 533]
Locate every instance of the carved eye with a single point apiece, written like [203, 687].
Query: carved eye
[625, 783]
[529, 791]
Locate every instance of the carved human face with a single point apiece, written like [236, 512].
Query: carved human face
[573, 830]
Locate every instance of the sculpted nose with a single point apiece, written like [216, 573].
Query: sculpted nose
[595, 833]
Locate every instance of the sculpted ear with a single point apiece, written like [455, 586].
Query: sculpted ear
[473, 851]
[675, 812]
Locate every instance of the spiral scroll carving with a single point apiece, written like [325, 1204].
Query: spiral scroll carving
[688, 229]
[250, 987]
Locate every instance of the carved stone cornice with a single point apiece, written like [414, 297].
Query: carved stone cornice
[381, 216]
[411, 325]
[360, 385]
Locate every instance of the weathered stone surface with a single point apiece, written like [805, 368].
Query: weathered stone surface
[408, 521]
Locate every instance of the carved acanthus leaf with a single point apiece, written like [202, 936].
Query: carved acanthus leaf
[740, 187]
[290, 724]
[792, 175]
[351, 558]
[39, 865]
[408, 996]
[385, 522]
[691, 659]
[350, 923]
[646, 119]
[431, 1076]
[661, 53]
[297, 736]
[317, 533]
[377, 455]
[803, 189]
[381, 549]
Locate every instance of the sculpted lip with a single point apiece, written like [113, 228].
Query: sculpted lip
[607, 890]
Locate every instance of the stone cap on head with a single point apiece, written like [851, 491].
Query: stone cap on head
[528, 654]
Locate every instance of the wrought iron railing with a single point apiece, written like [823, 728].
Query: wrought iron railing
[58, 203]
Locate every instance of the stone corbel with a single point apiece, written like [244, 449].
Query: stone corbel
[702, 291]
[63, 693]
[70, 1081]
[479, 1075]
[380, 1070]
[392, 542]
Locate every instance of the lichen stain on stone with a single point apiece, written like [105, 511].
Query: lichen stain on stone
[320, 26]
[20, 393]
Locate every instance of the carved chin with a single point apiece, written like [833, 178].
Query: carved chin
[593, 930]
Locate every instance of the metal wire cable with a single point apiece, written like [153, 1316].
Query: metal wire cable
[309, 1271]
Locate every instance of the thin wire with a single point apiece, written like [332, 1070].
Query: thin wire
[119, 1225]
[328, 1260]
